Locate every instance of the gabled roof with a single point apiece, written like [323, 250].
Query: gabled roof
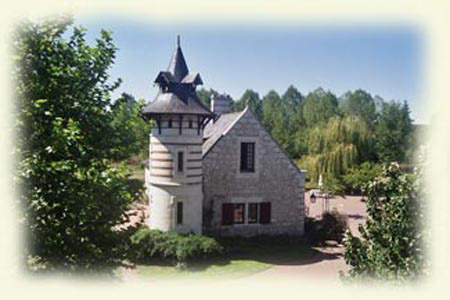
[214, 131]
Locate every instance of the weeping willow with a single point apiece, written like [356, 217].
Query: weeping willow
[336, 147]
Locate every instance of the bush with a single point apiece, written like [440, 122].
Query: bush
[331, 226]
[357, 178]
[148, 245]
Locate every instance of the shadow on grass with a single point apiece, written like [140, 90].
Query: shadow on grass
[276, 250]
[286, 251]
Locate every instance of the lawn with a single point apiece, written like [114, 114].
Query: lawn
[243, 257]
[231, 270]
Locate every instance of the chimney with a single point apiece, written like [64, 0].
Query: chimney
[220, 103]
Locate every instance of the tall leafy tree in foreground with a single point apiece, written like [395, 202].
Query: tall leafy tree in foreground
[391, 246]
[71, 196]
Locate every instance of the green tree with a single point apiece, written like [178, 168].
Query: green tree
[131, 130]
[250, 98]
[318, 106]
[335, 147]
[391, 246]
[72, 198]
[205, 96]
[393, 132]
[360, 104]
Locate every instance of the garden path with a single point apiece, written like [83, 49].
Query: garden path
[330, 259]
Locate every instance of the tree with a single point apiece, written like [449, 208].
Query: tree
[130, 129]
[393, 132]
[205, 96]
[335, 147]
[250, 98]
[360, 104]
[391, 245]
[72, 198]
[318, 107]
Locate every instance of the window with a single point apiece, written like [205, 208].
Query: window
[190, 123]
[239, 213]
[180, 162]
[179, 212]
[170, 123]
[252, 216]
[233, 213]
[248, 157]
[257, 213]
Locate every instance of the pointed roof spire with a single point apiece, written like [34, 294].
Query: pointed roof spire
[177, 65]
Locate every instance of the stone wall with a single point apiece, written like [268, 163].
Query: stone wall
[275, 180]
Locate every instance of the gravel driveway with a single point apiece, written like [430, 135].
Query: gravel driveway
[330, 260]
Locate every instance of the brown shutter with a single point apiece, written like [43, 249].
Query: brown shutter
[227, 213]
[264, 212]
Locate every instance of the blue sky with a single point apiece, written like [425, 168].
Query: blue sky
[383, 60]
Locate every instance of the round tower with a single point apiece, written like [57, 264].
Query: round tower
[174, 173]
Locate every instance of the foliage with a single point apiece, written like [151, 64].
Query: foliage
[319, 106]
[358, 177]
[360, 104]
[393, 132]
[131, 129]
[71, 196]
[205, 96]
[250, 98]
[149, 245]
[336, 147]
[391, 244]
[331, 226]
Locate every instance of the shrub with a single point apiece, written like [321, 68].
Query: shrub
[148, 245]
[391, 246]
[331, 226]
[357, 178]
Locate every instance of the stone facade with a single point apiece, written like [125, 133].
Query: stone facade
[275, 179]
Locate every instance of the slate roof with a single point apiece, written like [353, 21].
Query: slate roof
[177, 64]
[177, 90]
[215, 130]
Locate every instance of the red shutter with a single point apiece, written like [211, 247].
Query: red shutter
[227, 213]
[264, 212]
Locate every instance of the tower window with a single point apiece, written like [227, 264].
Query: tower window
[179, 212]
[170, 123]
[180, 162]
[248, 157]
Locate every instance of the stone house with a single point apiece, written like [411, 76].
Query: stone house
[215, 171]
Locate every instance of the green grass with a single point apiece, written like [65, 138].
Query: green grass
[243, 257]
[233, 269]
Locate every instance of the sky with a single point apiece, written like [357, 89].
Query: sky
[383, 60]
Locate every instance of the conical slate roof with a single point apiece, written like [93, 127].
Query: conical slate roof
[177, 90]
[177, 66]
